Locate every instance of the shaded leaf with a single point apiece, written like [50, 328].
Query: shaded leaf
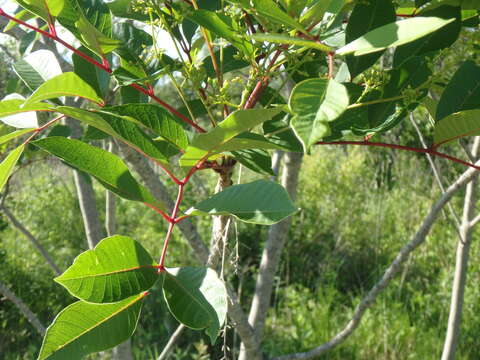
[107, 168]
[290, 40]
[365, 17]
[462, 92]
[260, 202]
[8, 164]
[37, 67]
[455, 126]
[257, 160]
[197, 298]
[236, 123]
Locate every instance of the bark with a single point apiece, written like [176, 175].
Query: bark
[158, 190]
[274, 245]
[418, 239]
[32, 239]
[461, 266]
[86, 198]
[24, 309]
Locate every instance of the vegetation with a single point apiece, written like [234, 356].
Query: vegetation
[158, 143]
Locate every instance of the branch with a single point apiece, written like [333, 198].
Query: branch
[390, 272]
[436, 172]
[402, 147]
[32, 239]
[24, 309]
[461, 266]
[171, 342]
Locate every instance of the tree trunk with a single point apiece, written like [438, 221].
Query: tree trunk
[461, 265]
[274, 245]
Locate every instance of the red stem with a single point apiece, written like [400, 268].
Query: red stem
[402, 147]
[104, 66]
[161, 212]
[37, 130]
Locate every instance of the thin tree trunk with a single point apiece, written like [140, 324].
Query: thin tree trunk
[404, 253]
[274, 245]
[461, 266]
[24, 309]
[32, 239]
[171, 342]
[86, 198]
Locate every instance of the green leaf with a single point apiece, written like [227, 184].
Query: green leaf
[197, 298]
[118, 267]
[42, 8]
[83, 328]
[155, 118]
[455, 126]
[260, 202]
[393, 34]
[13, 112]
[279, 132]
[107, 168]
[37, 67]
[92, 75]
[272, 12]
[462, 92]
[18, 106]
[229, 62]
[222, 26]
[315, 102]
[257, 160]
[6, 138]
[94, 39]
[125, 9]
[289, 40]
[236, 123]
[123, 129]
[8, 164]
[437, 40]
[366, 16]
[66, 84]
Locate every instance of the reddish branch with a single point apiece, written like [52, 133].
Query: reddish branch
[105, 66]
[430, 151]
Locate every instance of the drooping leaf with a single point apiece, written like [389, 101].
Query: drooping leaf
[437, 40]
[8, 164]
[290, 40]
[365, 17]
[37, 67]
[462, 92]
[117, 268]
[457, 125]
[393, 34]
[83, 328]
[237, 122]
[222, 26]
[6, 138]
[259, 202]
[107, 168]
[270, 10]
[257, 160]
[92, 75]
[66, 84]
[123, 129]
[42, 8]
[13, 112]
[315, 102]
[197, 298]
[155, 118]
[229, 61]
[17, 106]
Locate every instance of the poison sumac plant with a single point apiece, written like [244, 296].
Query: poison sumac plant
[233, 61]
